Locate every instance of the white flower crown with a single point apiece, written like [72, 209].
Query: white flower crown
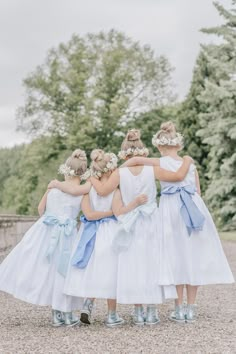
[110, 166]
[133, 151]
[177, 141]
[66, 170]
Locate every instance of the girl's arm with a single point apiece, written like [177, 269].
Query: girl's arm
[42, 204]
[118, 206]
[70, 188]
[197, 182]
[92, 214]
[134, 161]
[168, 176]
[109, 186]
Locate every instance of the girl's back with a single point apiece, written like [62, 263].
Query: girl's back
[143, 183]
[60, 204]
[171, 164]
[100, 203]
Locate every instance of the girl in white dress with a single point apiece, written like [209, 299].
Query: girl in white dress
[194, 247]
[35, 270]
[93, 266]
[141, 273]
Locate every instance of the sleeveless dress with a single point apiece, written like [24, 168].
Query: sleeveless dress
[196, 259]
[31, 271]
[98, 279]
[143, 268]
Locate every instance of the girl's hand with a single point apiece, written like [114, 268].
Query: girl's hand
[141, 199]
[53, 184]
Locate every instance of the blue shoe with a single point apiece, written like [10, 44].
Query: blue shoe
[86, 312]
[113, 319]
[57, 318]
[178, 315]
[138, 317]
[190, 316]
[70, 320]
[152, 317]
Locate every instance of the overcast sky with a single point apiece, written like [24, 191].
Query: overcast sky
[29, 28]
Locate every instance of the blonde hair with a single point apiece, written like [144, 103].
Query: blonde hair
[133, 145]
[102, 162]
[77, 162]
[168, 136]
[99, 160]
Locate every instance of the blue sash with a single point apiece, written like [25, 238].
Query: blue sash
[192, 216]
[63, 230]
[87, 240]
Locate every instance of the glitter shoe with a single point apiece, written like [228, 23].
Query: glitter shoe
[86, 312]
[152, 317]
[57, 318]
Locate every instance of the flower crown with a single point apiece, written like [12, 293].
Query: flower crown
[133, 151]
[177, 141]
[110, 166]
[67, 171]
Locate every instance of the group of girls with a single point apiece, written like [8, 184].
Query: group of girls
[127, 250]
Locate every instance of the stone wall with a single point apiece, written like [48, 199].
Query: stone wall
[12, 229]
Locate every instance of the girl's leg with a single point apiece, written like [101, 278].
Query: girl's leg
[113, 318]
[191, 294]
[111, 304]
[191, 297]
[178, 315]
[180, 293]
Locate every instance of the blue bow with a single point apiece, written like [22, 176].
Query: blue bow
[123, 237]
[87, 240]
[192, 216]
[64, 229]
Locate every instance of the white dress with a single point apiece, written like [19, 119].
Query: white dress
[142, 268]
[98, 279]
[27, 274]
[197, 259]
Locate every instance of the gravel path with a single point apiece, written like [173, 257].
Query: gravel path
[26, 329]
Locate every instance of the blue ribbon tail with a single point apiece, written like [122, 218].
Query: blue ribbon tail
[85, 247]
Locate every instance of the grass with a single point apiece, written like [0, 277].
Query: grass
[228, 236]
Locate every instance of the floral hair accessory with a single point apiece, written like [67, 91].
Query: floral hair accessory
[133, 152]
[66, 171]
[177, 141]
[110, 166]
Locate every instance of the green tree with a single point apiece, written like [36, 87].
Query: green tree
[90, 88]
[218, 128]
[188, 119]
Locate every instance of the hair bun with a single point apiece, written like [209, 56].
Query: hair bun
[79, 154]
[97, 155]
[133, 135]
[168, 127]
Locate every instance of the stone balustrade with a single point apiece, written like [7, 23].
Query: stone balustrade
[12, 229]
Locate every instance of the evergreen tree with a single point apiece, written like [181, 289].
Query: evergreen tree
[188, 120]
[218, 122]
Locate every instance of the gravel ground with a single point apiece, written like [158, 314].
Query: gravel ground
[26, 329]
